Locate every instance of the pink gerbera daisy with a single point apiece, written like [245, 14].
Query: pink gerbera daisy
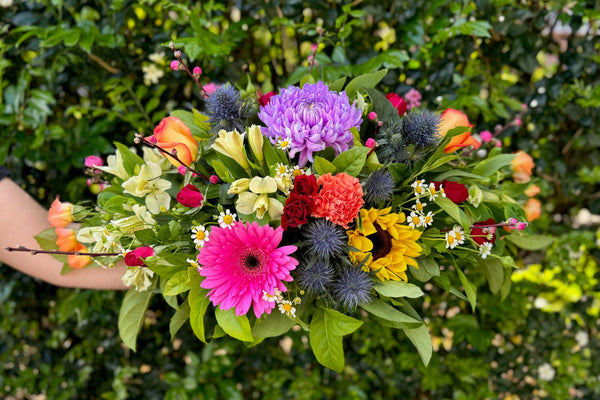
[243, 262]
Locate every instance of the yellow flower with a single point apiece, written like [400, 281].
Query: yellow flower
[388, 246]
[257, 200]
[256, 139]
[231, 144]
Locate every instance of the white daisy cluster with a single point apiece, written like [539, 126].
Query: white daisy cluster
[285, 306]
[423, 189]
[418, 218]
[455, 237]
[284, 178]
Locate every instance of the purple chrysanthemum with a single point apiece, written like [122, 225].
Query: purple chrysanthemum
[310, 119]
[243, 263]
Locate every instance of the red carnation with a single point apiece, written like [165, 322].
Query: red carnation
[481, 231]
[457, 192]
[398, 102]
[134, 258]
[296, 211]
[306, 185]
[190, 196]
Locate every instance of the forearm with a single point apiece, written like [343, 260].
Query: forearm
[21, 218]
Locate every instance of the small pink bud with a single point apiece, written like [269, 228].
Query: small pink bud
[370, 143]
[521, 226]
[524, 106]
[310, 59]
[518, 122]
[174, 65]
[177, 53]
[182, 169]
[380, 124]
[372, 115]
[197, 71]
[93, 161]
[486, 136]
[152, 139]
[497, 143]
[88, 182]
[314, 47]
[213, 179]
[172, 45]
[512, 221]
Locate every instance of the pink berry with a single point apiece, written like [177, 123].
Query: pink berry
[182, 169]
[521, 226]
[93, 161]
[370, 143]
[372, 115]
[486, 136]
[197, 71]
[174, 65]
[518, 122]
[213, 179]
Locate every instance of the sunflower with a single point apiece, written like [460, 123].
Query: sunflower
[389, 246]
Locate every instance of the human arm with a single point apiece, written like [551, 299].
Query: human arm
[21, 218]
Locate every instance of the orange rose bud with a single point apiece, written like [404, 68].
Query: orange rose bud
[60, 214]
[451, 119]
[533, 209]
[66, 239]
[522, 165]
[172, 134]
[532, 190]
[79, 262]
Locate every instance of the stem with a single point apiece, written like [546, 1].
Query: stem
[140, 139]
[70, 253]
[194, 77]
[314, 53]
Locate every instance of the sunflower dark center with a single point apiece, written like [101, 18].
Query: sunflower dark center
[382, 243]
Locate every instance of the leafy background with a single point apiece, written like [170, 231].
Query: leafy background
[72, 76]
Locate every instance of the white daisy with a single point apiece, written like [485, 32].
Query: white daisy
[193, 263]
[419, 206]
[200, 235]
[485, 249]
[427, 219]
[283, 144]
[433, 192]
[297, 300]
[415, 220]
[286, 308]
[226, 219]
[419, 186]
[454, 237]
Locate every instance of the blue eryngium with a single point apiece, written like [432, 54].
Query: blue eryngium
[226, 109]
[315, 276]
[325, 239]
[378, 187]
[352, 287]
[420, 128]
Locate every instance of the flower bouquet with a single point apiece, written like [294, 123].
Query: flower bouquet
[324, 206]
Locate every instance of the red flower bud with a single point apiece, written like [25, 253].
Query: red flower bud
[398, 102]
[134, 258]
[190, 196]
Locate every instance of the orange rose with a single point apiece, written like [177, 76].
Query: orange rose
[533, 209]
[522, 165]
[60, 214]
[66, 239]
[172, 134]
[532, 190]
[79, 261]
[451, 119]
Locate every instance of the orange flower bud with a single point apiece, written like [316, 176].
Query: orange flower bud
[60, 214]
[533, 209]
[79, 261]
[522, 165]
[532, 190]
[451, 119]
[66, 239]
[172, 134]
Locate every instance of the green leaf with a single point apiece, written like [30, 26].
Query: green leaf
[488, 166]
[437, 163]
[179, 318]
[272, 325]
[188, 118]
[391, 315]
[470, 289]
[398, 289]
[421, 339]
[235, 326]
[383, 107]
[132, 314]
[364, 81]
[178, 283]
[130, 159]
[453, 210]
[323, 166]
[351, 161]
[273, 156]
[198, 301]
[494, 273]
[337, 85]
[456, 173]
[428, 268]
[531, 242]
[327, 328]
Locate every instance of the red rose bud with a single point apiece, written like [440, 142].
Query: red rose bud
[457, 192]
[190, 196]
[306, 185]
[484, 234]
[296, 211]
[398, 102]
[134, 258]
[264, 99]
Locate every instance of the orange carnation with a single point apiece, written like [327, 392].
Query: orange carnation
[172, 134]
[522, 165]
[339, 200]
[451, 119]
[79, 262]
[60, 214]
[533, 209]
[66, 239]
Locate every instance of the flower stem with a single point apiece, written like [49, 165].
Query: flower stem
[69, 253]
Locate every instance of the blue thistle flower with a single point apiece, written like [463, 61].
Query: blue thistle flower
[420, 128]
[226, 109]
[352, 287]
[379, 187]
[315, 276]
[325, 239]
